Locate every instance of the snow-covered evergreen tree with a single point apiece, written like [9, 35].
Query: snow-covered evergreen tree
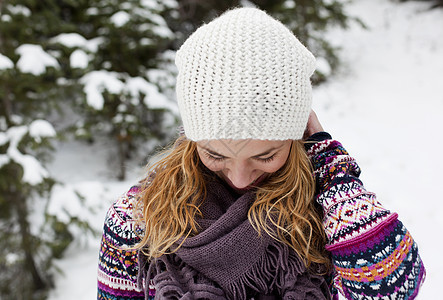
[307, 19]
[119, 50]
[24, 184]
[29, 92]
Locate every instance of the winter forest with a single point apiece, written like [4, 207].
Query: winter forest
[87, 97]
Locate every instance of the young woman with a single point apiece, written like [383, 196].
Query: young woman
[255, 200]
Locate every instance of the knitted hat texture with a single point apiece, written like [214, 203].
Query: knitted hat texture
[244, 76]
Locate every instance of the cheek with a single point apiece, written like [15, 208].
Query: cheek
[276, 164]
[273, 166]
[213, 166]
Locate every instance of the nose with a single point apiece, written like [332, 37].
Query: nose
[240, 175]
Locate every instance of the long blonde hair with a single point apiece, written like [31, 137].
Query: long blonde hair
[171, 198]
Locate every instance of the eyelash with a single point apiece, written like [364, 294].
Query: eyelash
[265, 160]
[215, 158]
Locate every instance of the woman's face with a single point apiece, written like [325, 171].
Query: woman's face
[243, 163]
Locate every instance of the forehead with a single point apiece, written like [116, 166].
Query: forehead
[247, 147]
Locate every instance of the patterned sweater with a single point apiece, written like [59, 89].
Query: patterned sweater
[373, 254]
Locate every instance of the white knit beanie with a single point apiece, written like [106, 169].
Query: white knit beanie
[244, 76]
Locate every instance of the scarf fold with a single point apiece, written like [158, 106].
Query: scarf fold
[228, 259]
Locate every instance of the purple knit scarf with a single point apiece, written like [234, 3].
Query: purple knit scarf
[229, 260]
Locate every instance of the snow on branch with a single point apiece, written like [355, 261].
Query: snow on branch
[157, 23]
[5, 62]
[33, 171]
[19, 10]
[97, 82]
[75, 40]
[79, 59]
[34, 60]
[41, 129]
[153, 98]
[120, 18]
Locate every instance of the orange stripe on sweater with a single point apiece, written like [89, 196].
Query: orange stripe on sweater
[381, 269]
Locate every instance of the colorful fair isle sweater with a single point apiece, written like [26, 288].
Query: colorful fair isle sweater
[373, 254]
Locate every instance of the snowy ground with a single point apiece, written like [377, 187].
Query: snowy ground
[386, 107]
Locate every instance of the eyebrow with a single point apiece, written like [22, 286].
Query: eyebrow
[258, 155]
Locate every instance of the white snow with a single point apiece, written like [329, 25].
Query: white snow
[289, 4]
[96, 82]
[158, 25]
[11, 258]
[34, 60]
[119, 118]
[33, 171]
[94, 43]
[3, 138]
[150, 4]
[4, 159]
[92, 11]
[70, 40]
[79, 59]
[41, 129]
[5, 62]
[162, 31]
[5, 18]
[323, 66]
[120, 18]
[385, 107]
[170, 3]
[75, 40]
[67, 201]
[19, 10]
[64, 203]
[85, 171]
[153, 98]
[146, 41]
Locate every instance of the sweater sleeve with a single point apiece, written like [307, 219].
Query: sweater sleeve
[118, 268]
[373, 254]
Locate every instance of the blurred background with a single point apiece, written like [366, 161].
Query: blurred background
[87, 96]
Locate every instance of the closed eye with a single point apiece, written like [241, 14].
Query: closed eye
[266, 159]
[214, 157]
